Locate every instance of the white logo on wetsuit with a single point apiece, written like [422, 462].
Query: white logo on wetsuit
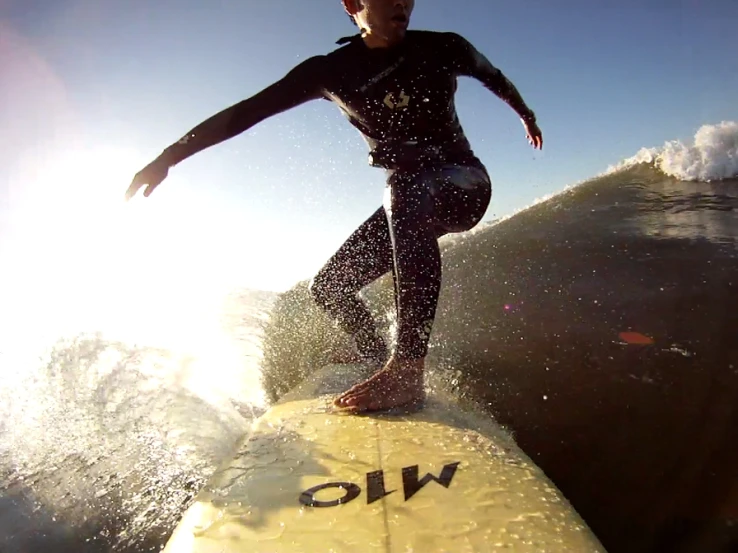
[382, 75]
[425, 329]
[403, 102]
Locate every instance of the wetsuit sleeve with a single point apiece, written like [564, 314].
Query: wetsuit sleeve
[468, 61]
[303, 83]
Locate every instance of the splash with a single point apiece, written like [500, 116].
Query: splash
[103, 445]
[713, 156]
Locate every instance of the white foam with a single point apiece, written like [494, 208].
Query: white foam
[713, 156]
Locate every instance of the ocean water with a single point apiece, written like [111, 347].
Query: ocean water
[109, 428]
[598, 325]
[105, 441]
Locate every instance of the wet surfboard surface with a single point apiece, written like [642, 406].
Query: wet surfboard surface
[311, 478]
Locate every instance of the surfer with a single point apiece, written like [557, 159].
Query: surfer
[396, 86]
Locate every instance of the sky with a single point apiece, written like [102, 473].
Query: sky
[91, 90]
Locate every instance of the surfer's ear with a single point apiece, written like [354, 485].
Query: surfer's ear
[352, 7]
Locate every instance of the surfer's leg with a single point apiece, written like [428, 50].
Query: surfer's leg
[420, 208]
[417, 261]
[417, 266]
[365, 256]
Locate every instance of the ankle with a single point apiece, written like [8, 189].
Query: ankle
[415, 365]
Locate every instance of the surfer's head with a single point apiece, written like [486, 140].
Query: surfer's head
[382, 22]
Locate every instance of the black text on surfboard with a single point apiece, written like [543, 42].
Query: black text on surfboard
[375, 486]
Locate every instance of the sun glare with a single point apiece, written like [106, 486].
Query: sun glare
[82, 259]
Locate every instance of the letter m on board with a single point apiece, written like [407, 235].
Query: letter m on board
[412, 484]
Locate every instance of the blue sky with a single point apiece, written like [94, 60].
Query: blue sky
[109, 84]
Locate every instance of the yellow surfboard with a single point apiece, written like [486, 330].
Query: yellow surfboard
[310, 479]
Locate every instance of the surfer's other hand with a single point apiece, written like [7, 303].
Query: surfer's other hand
[534, 134]
[150, 176]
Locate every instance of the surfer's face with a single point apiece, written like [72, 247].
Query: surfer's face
[383, 22]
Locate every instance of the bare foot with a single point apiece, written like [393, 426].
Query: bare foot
[399, 383]
[344, 358]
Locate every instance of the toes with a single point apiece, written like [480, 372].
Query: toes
[358, 399]
[348, 398]
[358, 390]
[341, 400]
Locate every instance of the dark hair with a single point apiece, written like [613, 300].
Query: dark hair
[351, 17]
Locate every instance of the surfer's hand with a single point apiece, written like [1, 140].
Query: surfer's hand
[534, 135]
[150, 176]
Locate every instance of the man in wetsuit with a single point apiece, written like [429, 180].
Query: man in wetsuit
[397, 88]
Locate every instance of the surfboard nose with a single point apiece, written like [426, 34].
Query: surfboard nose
[308, 479]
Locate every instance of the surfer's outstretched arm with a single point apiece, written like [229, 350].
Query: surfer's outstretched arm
[471, 62]
[301, 84]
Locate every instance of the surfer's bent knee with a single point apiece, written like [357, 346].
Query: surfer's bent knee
[461, 196]
[319, 290]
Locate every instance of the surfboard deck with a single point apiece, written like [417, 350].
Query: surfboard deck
[312, 478]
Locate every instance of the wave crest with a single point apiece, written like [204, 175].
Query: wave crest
[713, 156]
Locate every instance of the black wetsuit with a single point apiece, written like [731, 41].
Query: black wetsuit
[401, 99]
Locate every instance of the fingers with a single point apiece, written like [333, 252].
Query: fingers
[535, 139]
[150, 177]
[134, 187]
[149, 189]
[534, 135]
